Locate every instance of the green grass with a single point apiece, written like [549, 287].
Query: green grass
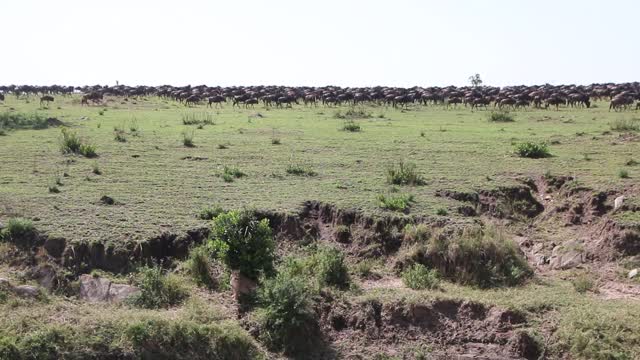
[158, 289]
[625, 125]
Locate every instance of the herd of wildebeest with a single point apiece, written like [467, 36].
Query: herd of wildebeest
[620, 96]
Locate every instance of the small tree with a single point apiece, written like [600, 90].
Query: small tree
[243, 242]
[475, 80]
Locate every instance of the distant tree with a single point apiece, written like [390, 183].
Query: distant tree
[475, 80]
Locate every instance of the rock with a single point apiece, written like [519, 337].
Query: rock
[617, 203]
[55, 247]
[567, 256]
[633, 273]
[26, 291]
[96, 289]
[540, 259]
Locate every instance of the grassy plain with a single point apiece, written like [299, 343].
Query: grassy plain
[160, 184]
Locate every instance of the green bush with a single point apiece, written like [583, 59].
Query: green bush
[200, 267]
[418, 277]
[243, 242]
[47, 343]
[329, 267]
[400, 202]
[500, 116]
[185, 340]
[404, 174]
[532, 150]
[365, 268]
[20, 232]
[157, 289]
[287, 320]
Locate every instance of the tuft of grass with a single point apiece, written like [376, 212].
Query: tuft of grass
[187, 138]
[275, 141]
[500, 116]
[482, 257]
[54, 189]
[210, 212]
[70, 143]
[400, 202]
[223, 146]
[583, 283]
[532, 150]
[419, 277]
[157, 289]
[404, 174]
[442, 212]
[351, 126]
[625, 125]
[120, 136]
[200, 267]
[95, 168]
[233, 172]
[623, 174]
[198, 119]
[88, 150]
[20, 232]
[364, 268]
[299, 169]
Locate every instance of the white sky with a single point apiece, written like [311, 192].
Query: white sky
[326, 42]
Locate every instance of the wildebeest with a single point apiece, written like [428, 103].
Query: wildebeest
[217, 99]
[620, 102]
[191, 100]
[46, 99]
[1, 97]
[93, 96]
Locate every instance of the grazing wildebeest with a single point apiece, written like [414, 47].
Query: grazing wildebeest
[217, 99]
[192, 100]
[46, 99]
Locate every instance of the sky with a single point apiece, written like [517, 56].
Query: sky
[315, 43]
